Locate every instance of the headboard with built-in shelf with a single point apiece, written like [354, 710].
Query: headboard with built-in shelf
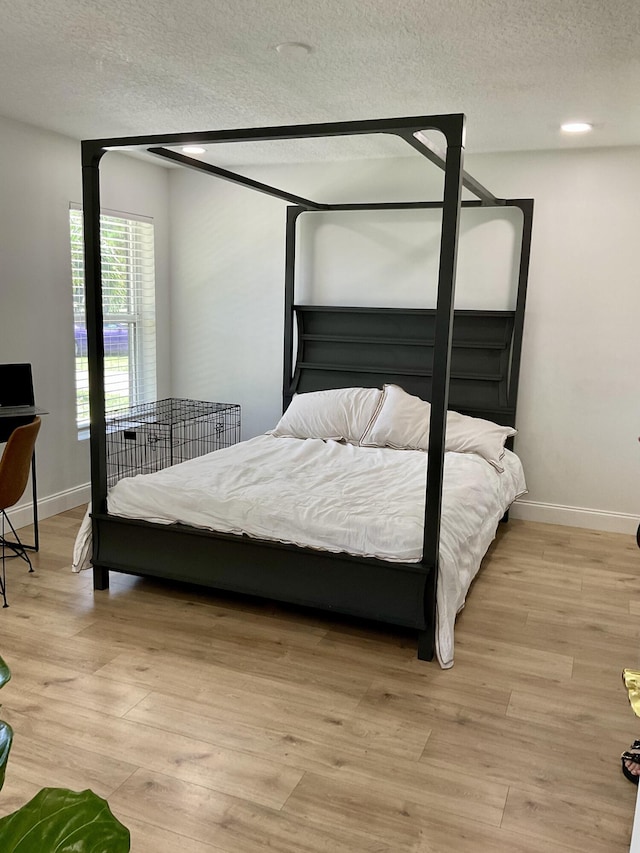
[340, 347]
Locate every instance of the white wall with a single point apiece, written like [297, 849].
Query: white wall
[579, 410]
[227, 299]
[40, 174]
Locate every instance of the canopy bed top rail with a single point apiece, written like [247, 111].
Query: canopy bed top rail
[451, 125]
[235, 178]
[412, 130]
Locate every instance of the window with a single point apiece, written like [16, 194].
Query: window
[128, 304]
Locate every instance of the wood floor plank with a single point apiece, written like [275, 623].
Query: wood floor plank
[209, 621]
[80, 654]
[39, 756]
[492, 661]
[587, 710]
[418, 700]
[231, 823]
[584, 634]
[300, 735]
[439, 837]
[17, 790]
[147, 838]
[177, 674]
[533, 756]
[229, 771]
[105, 695]
[391, 811]
[27, 613]
[529, 568]
[597, 828]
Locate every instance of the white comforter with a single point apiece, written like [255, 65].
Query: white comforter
[324, 494]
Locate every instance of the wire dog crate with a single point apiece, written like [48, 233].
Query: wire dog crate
[151, 436]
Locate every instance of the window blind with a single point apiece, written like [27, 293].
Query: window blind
[128, 304]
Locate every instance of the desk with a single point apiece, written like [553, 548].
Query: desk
[10, 418]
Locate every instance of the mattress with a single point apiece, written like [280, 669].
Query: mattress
[365, 501]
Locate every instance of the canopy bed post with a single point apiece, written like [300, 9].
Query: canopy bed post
[526, 206]
[95, 341]
[442, 359]
[289, 297]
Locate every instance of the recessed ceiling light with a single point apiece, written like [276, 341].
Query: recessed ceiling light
[193, 149]
[293, 48]
[576, 127]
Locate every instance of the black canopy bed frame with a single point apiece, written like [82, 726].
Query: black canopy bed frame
[468, 359]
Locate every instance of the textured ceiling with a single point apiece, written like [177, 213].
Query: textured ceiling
[517, 68]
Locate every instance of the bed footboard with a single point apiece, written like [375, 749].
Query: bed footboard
[395, 593]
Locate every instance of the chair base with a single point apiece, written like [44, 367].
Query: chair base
[19, 550]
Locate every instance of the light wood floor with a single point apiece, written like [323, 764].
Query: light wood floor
[227, 725]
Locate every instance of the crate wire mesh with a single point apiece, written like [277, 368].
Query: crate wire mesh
[150, 436]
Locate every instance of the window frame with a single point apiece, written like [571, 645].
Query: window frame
[139, 319]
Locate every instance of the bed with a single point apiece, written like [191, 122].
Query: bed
[302, 488]
[466, 361]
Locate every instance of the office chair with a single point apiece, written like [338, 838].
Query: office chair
[14, 474]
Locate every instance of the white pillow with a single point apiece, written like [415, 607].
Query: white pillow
[475, 435]
[340, 414]
[403, 423]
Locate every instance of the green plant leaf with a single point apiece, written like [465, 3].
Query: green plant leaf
[60, 821]
[5, 673]
[6, 737]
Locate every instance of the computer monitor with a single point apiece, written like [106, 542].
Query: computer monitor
[16, 385]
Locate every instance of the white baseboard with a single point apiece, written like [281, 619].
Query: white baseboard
[22, 514]
[574, 516]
